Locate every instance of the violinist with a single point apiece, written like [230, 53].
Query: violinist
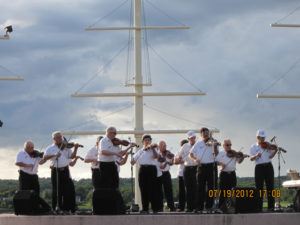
[60, 157]
[109, 176]
[203, 153]
[227, 159]
[262, 155]
[189, 171]
[166, 176]
[146, 157]
[92, 157]
[28, 161]
[181, 188]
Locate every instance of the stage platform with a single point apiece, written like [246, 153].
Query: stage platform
[157, 219]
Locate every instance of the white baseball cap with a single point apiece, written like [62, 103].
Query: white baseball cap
[191, 133]
[261, 133]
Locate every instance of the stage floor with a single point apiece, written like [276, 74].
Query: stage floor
[157, 219]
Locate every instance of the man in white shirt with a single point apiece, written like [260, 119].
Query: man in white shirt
[92, 157]
[166, 176]
[147, 159]
[60, 159]
[227, 174]
[181, 188]
[28, 161]
[189, 171]
[109, 176]
[204, 153]
[264, 171]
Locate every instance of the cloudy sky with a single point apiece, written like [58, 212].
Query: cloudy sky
[230, 52]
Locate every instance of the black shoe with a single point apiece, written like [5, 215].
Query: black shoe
[144, 212]
[188, 211]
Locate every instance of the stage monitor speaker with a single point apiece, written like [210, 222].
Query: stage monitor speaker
[243, 200]
[107, 201]
[26, 202]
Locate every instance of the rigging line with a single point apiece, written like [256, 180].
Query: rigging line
[168, 114]
[147, 61]
[107, 115]
[99, 71]
[7, 70]
[179, 74]
[288, 14]
[110, 13]
[281, 77]
[129, 44]
[161, 11]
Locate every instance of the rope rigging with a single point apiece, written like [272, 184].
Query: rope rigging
[177, 117]
[282, 76]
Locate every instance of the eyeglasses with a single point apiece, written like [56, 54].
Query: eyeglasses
[113, 133]
[228, 144]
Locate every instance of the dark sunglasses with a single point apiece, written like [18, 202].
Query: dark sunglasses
[228, 144]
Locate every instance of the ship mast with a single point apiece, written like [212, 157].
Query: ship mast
[138, 94]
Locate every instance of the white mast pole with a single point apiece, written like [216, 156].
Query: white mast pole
[138, 88]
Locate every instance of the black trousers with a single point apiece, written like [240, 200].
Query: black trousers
[109, 176]
[227, 182]
[190, 183]
[181, 193]
[147, 183]
[265, 173]
[205, 182]
[31, 182]
[96, 178]
[66, 190]
[159, 203]
[168, 189]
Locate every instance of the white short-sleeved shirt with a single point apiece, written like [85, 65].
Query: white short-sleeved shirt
[25, 158]
[63, 160]
[118, 160]
[158, 165]
[265, 154]
[93, 154]
[180, 168]
[145, 157]
[184, 153]
[203, 152]
[106, 145]
[229, 162]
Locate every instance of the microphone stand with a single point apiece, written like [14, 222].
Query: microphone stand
[279, 209]
[215, 208]
[134, 207]
[57, 208]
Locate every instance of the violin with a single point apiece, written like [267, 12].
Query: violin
[36, 154]
[233, 153]
[117, 141]
[210, 141]
[268, 145]
[161, 159]
[151, 146]
[66, 144]
[168, 154]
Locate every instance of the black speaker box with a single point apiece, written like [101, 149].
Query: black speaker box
[243, 200]
[26, 202]
[107, 201]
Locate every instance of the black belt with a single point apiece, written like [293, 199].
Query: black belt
[145, 166]
[228, 172]
[60, 168]
[107, 163]
[264, 164]
[22, 172]
[205, 164]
